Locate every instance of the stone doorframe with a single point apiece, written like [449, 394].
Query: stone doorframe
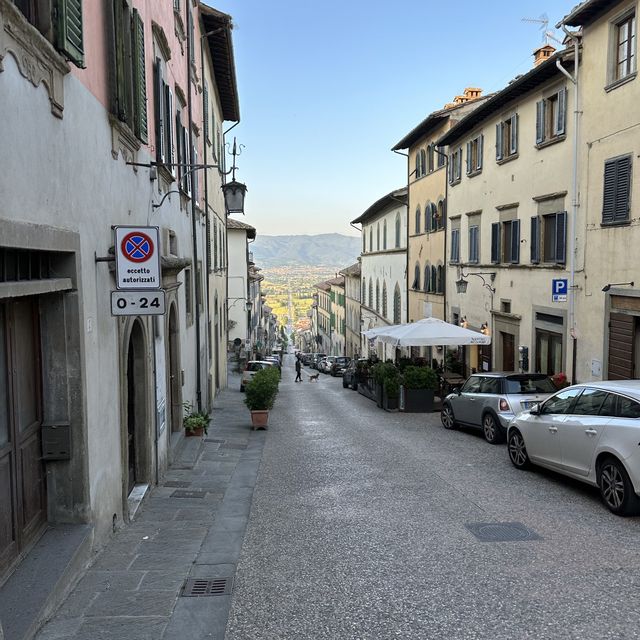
[504, 323]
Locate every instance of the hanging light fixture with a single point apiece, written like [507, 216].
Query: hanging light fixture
[234, 191]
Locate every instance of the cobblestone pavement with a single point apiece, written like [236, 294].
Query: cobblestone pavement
[358, 530]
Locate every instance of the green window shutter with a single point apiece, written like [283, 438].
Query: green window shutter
[205, 111]
[499, 138]
[535, 240]
[69, 31]
[139, 78]
[513, 146]
[515, 241]
[121, 91]
[540, 114]
[561, 237]
[561, 116]
[495, 243]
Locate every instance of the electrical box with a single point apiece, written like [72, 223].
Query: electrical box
[56, 441]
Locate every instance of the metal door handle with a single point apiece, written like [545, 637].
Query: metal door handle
[553, 429]
[591, 432]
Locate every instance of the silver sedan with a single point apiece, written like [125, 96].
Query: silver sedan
[590, 432]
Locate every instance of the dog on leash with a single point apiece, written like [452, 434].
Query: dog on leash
[314, 377]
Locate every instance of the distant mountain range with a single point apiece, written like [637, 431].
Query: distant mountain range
[327, 249]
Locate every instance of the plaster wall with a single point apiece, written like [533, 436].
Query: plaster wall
[238, 286]
[532, 173]
[609, 128]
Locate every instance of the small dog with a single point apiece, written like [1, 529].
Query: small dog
[314, 377]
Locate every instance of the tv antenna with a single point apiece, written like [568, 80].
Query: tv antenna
[543, 21]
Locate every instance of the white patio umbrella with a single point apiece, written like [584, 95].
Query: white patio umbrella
[372, 333]
[429, 332]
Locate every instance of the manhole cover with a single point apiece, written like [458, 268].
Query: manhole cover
[178, 484]
[183, 493]
[202, 587]
[501, 531]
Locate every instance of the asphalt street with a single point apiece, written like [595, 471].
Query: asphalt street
[361, 528]
[346, 522]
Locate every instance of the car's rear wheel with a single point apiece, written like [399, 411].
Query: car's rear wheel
[517, 450]
[446, 417]
[616, 488]
[491, 429]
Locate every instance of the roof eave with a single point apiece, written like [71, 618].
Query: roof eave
[586, 13]
[396, 196]
[219, 26]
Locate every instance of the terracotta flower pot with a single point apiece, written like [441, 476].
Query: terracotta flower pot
[259, 419]
[194, 432]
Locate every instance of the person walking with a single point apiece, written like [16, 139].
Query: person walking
[298, 370]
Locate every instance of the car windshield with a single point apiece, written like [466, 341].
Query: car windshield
[254, 366]
[524, 384]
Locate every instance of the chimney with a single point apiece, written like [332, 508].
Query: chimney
[470, 93]
[542, 53]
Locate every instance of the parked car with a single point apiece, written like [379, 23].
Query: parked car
[306, 359]
[250, 370]
[325, 364]
[339, 365]
[491, 400]
[275, 360]
[590, 432]
[350, 375]
[315, 359]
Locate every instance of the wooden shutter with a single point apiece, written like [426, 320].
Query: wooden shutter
[121, 91]
[480, 151]
[159, 99]
[515, 241]
[621, 341]
[561, 237]
[205, 111]
[451, 163]
[617, 190]
[540, 121]
[455, 245]
[535, 240]
[513, 143]
[499, 138]
[140, 124]
[170, 151]
[188, 160]
[561, 115]
[459, 164]
[179, 152]
[469, 159]
[69, 38]
[495, 243]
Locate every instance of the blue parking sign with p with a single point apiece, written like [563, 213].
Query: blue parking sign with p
[559, 289]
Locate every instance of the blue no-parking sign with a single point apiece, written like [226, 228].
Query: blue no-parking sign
[559, 288]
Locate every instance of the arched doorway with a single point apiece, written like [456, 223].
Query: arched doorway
[137, 395]
[175, 382]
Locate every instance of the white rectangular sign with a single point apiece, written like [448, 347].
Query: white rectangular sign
[138, 303]
[137, 258]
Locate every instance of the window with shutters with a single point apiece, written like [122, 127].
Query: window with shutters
[624, 43]
[430, 158]
[616, 196]
[416, 278]
[440, 279]
[377, 296]
[371, 293]
[505, 242]
[182, 150]
[384, 235]
[455, 246]
[427, 277]
[378, 237]
[418, 217]
[551, 118]
[397, 301]
[474, 244]
[130, 100]
[60, 22]
[474, 155]
[455, 166]
[507, 139]
[549, 238]
[398, 231]
[440, 215]
[164, 120]
[384, 299]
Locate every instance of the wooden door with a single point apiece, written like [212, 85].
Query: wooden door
[22, 476]
[508, 352]
[621, 344]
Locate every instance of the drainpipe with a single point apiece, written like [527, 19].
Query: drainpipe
[194, 226]
[574, 204]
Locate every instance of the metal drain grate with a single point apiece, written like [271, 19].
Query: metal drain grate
[202, 587]
[177, 484]
[183, 493]
[501, 531]
[233, 446]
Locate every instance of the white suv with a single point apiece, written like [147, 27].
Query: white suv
[251, 368]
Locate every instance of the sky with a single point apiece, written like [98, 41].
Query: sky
[326, 89]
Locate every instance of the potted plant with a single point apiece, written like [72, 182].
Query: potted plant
[391, 393]
[195, 422]
[260, 394]
[419, 384]
[380, 371]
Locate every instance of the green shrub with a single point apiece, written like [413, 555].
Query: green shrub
[262, 389]
[392, 384]
[381, 370]
[419, 378]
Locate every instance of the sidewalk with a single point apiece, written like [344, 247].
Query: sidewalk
[191, 527]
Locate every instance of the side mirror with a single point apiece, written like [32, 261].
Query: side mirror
[535, 410]
[456, 390]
